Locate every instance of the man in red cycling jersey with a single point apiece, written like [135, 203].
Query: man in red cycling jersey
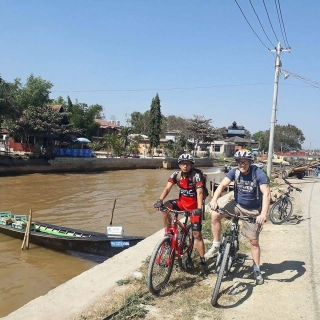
[190, 182]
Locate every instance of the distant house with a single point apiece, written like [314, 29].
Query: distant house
[35, 142]
[234, 131]
[107, 127]
[172, 135]
[144, 144]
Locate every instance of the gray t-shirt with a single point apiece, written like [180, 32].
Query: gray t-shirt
[246, 193]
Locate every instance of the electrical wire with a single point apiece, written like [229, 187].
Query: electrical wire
[281, 28]
[310, 82]
[260, 23]
[164, 89]
[250, 25]
[283, 25]
[270, 21]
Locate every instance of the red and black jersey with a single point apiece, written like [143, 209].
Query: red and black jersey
[188, 186]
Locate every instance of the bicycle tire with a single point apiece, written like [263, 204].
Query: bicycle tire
[187, 241]
[160, 265]
[220, 274]
[281, 211]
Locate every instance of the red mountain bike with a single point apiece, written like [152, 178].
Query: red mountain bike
[177, 243]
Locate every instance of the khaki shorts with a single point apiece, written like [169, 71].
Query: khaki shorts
[249, 230]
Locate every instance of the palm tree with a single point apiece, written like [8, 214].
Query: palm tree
[123, 135]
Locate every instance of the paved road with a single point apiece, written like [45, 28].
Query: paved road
[290, 264]
[310, 201]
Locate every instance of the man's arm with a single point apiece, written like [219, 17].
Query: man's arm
[265, 190]
[199, 197]
[223, 184]
[166, 190]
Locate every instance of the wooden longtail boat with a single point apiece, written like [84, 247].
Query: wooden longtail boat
[66, 239]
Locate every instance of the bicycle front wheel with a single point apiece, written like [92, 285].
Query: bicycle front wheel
[281, 211]
[187, 240]
[220, 274]
[160, 265]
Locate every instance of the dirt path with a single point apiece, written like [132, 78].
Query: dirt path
[288, 262]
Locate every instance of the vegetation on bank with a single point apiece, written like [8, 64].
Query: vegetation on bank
[25, 112]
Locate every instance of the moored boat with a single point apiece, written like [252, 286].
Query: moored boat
[67, 239]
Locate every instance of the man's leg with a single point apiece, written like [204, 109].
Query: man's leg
[216, 233]
[167, 221]
[198, 243]
[255, 252]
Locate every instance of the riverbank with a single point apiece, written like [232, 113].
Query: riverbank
[10, 166]
[288, 264]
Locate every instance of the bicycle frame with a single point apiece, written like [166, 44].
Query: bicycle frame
[175, 233]
[282, 209]
[227, 251]
[231, 236]
[177, 242]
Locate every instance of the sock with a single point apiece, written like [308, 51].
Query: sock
[202, 260]
[216, 243]
[256, 268]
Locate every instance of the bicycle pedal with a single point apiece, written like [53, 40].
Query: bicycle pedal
[240, 260]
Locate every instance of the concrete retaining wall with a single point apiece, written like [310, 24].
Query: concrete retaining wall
[65, 164]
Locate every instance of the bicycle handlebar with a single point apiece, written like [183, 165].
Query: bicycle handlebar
[290, 185]
[184, 213]
[224, 211]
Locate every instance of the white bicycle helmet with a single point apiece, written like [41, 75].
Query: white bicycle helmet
[186, 157]
[243, 154]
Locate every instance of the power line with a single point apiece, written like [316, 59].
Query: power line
[164, 89]
[281, 28]
[169, 89]
[250, 25]
[310, 82]
[283, 25]
[270, 21]
[260, 23]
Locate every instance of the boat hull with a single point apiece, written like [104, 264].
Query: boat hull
[85, 241]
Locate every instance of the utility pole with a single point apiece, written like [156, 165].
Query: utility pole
[274, 106]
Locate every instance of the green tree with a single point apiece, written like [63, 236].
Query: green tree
[8, 108]
[59, 100]
[286, 137]
[35, 92]
[41, 121]
[155, 120]
[82, 117]
[114, 143]
[200, 130]
[124, 134]
[139, 122]
[172, 123]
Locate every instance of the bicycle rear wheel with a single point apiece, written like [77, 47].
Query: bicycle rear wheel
[281, 211]
[220, 274]
[187, 240]
[160, 265]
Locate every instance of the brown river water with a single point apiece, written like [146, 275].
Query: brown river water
[82, 201]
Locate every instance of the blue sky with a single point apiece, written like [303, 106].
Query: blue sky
[200, 56]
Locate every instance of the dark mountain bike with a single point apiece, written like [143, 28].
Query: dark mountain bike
[228, 249]
[282, 209]
[177, 243]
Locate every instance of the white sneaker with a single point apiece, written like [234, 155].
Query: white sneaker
[212, 251]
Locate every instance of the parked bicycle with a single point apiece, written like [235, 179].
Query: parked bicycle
[177, 243]
[228, 249]
[282, 209]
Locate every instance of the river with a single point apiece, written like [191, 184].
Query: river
[82, 201]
